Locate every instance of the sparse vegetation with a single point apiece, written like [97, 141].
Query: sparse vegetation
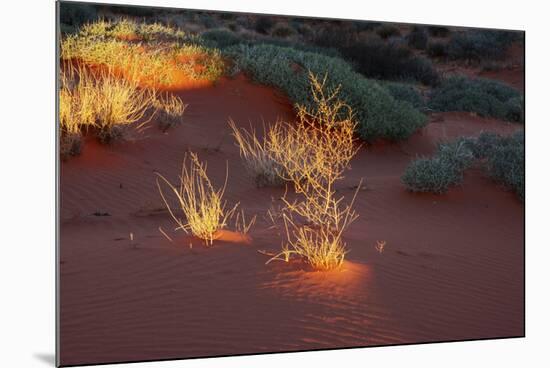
[483, 96]
[202, 205]
[378, 114]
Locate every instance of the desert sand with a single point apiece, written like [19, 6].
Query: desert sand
[452, 267]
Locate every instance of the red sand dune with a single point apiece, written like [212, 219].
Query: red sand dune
[452, 267]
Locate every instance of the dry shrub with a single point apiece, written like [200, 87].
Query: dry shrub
[258, 160]
[170, 110]
[101, 101]
[202, 205]
[313, 155]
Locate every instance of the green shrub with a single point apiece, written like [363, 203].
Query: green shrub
[484, 144]
[264, 24]
[376, 59]
[387, 31]
[432, 175]
[438, 31]
[503, 158]
[437, 49]
[221, 38]
[515, 109]
[483, 96]
[445, 169]
[405, 92]
[506, 164]
[282, 30]
[418, 38]
[458, 153]
[478, 45]
[379, 115]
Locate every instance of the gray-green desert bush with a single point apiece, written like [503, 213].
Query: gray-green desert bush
[483, 96]
[433, 175]
[503, 157]
[374, 58]
[407, 93]
[221, 37]
[478, 45]
[379, 115]
[506, 163]
[445, 169]
[282, 30]
[457, 153]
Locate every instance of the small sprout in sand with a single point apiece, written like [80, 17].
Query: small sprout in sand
[241, 224]
[380, 245]
[258, 159]
[170, 109]
[165, 235]
[202, 205]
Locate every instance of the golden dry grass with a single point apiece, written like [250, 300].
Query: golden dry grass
[257, 158]
[102, 101]
[171, 109]
[201, 204]
[161, 53]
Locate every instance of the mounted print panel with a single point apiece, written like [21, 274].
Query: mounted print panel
[234, 183]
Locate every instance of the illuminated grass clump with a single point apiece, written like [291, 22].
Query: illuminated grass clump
[170, 110]
[151, 54]
[201, 204]
[100, 102]
[258, 159]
